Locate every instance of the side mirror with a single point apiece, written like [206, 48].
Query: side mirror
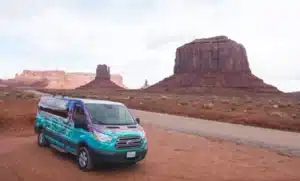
[138, 120]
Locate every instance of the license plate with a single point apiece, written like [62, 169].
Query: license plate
[130, 154]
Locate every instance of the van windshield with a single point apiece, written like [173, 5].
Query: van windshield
[109, 114]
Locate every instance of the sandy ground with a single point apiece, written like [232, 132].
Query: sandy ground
[172, 156]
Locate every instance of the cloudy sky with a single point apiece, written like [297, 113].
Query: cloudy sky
[138, 38]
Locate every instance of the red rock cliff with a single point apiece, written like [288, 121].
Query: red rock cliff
[213, 62]
[216, 54]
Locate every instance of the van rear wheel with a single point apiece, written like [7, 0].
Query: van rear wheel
[42, 141]
[84, 160]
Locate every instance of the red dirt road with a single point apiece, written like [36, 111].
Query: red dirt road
[172, 156]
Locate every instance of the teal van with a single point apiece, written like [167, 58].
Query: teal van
[95, 131]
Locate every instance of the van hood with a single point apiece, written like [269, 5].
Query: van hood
[120, 130]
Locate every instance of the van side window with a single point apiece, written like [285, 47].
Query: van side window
[78, 113]
[61, 113]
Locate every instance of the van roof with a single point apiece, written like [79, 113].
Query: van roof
[95, 101]
[87, 101]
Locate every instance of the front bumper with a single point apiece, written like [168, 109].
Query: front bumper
[116, 157]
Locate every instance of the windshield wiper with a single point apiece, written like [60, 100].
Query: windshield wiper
[98, 122]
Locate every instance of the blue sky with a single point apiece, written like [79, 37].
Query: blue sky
[138, 38]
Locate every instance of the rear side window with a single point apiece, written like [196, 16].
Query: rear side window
[54, 106]
[61, 113]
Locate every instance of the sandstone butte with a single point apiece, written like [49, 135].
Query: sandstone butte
[56, 79]
[102, 79]
[215, 62]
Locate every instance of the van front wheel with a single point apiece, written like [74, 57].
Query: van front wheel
[42, 141]
[84, 160]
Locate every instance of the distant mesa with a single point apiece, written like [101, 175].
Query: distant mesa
[26, 83]
[55, 79]
[146, 85]
[217, 62]
[102, 79]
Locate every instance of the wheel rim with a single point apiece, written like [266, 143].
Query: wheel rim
[41, 138]
[83, 159]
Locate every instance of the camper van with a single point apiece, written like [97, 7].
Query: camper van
[95, 131]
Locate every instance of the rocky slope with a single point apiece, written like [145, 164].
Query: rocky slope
[56, 79]
[213, 62]
[102, 79]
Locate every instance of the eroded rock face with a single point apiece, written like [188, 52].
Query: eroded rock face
[102, 79]
[216, 54]
[51, 79]
[103, 72]
[26, 83]
[213, 62]
[56, 79]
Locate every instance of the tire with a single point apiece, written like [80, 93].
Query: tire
[41, 140]
[84, 161]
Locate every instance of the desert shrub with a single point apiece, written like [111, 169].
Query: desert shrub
[225, 101]
[278, 114]
[182, 103]
[208, 106]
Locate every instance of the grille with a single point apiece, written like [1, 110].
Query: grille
[129, 142]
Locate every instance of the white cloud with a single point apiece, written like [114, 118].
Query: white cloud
[139, 38]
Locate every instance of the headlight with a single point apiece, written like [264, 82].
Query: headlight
[143, 133]
[102, 137]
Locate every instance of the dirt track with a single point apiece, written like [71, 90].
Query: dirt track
[281, 141]
[172, 156]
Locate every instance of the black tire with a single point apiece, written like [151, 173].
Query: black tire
[41, 140]
[84, 161]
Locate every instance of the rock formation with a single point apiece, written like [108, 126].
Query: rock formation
[213, 62]
[26, 83]
[102, 79]
[146, 85]
[56, 79]
[103, 72]
[52, 79]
